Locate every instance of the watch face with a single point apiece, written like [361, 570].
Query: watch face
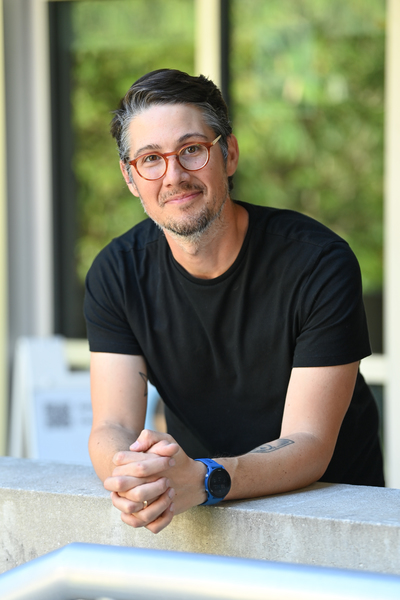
[219, 483]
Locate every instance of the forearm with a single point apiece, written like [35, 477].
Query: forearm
[277, 466]
[104, 442]
[119, 391]
[282, 465]
[316, 402]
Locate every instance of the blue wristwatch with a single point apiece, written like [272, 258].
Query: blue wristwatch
[217, 481]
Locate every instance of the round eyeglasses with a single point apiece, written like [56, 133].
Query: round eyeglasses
[192, 157]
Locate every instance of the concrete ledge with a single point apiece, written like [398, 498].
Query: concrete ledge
[44, 506]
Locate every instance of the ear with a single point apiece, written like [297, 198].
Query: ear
[129, 182]
[233, 155]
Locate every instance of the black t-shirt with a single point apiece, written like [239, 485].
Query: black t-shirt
[220, 351]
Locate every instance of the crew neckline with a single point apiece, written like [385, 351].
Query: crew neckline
[234, 266]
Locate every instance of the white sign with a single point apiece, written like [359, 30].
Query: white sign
[51, 412]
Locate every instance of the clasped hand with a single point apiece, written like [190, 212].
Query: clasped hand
[154, 480]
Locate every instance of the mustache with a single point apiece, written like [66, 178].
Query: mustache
[176, 191]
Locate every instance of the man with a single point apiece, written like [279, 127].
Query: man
[248, 320]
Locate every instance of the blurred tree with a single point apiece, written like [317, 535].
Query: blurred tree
[114, 43]
[307, 106]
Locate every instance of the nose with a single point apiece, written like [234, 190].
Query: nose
[175, 172]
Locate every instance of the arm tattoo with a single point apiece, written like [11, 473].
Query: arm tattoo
[145, 379]
[272, 447]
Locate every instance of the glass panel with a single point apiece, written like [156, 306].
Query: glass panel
[307, 104]
[98, 49]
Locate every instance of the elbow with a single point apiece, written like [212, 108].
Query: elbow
[318, 458]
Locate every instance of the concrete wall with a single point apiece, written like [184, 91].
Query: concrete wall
[44, 506]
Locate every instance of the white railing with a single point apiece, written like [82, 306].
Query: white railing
[89, 571]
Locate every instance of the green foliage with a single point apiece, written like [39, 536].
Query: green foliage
[308, 112]
[114, 43]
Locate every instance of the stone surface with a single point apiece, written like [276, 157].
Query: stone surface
[44, 506]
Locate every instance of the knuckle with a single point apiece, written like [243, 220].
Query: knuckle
[155, 528]
[160, 524]
[132, 521]
[118, 457]
[119, 484]
[163, 484]
[140, 469]
[131, 506]
[166, 462]
[127, 510]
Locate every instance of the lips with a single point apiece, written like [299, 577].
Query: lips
[182, 197]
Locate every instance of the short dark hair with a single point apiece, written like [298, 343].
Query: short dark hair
[170, 86]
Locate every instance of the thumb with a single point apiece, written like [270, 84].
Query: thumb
[162, 442]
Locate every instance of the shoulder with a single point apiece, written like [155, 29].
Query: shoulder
[119, 268]
[297, 246]
[291, 227]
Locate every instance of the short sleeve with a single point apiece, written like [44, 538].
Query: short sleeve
[108, 329]
[331, 320]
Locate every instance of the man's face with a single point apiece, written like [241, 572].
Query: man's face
[182, 202]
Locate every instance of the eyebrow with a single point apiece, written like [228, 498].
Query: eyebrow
[156, 147]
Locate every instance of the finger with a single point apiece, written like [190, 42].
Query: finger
[163, 520]
[153, 512]
[124, 484]
[164, 448]
[121, 484]
[149, 492]
[148, 438]
[148, 465]
[125, 505]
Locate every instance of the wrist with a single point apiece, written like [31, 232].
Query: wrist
[231, 464]
[217, 481]
[200, 471]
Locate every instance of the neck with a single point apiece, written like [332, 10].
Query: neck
[210, 253]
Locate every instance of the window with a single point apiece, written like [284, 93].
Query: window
[98, 49]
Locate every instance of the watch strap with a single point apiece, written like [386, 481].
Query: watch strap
[211, 466]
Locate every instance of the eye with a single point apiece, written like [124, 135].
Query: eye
[192, 149]
[150, 159]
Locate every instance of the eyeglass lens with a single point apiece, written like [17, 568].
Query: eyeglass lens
[153, 166]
